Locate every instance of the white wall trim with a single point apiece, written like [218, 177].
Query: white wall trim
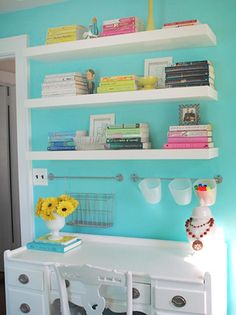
[7, 78]
[13, 47]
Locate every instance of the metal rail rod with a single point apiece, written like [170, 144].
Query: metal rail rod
[118, 177]
[136, 178]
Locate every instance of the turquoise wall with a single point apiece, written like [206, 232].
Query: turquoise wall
[133, 216]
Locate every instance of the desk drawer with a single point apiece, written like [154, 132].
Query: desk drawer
[23, 302]
[28, 279]
[192, 302]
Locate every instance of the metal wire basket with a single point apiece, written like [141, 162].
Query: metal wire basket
[94, 210]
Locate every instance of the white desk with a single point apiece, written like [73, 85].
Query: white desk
[161, 270]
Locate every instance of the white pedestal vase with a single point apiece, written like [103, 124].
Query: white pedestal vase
[55, 226]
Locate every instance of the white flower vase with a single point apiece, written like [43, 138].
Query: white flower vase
[55, 226]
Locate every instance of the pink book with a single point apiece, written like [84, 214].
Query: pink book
[189, 139]
[122, 20]
[120, 29]
[117, 32]
[197, 145]
[190, 133]
[118, 25]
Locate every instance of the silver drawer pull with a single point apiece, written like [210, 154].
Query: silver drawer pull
[136, 293]
[23, 278]
[25, 308]
[67, 283]
[178, 301]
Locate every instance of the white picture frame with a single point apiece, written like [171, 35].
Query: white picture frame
[156, 67]
[98, 123]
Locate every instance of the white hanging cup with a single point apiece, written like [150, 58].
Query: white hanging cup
[151, 189]
[181, 190]
[208, 197]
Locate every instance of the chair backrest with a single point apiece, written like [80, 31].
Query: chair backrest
[92, 278]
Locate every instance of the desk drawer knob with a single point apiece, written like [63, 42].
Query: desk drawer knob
[136, 293]
[178, 301]
[25, 308]
[24, 279]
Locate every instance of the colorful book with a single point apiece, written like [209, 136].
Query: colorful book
[195, 62]
[111, 89]
[197, 145]
[58, 248]
[127, 145]
[64, 240]
[62, 148]
[189, 139]
[119, 78]
[122, 20]
[196, 79]
[60, 143]
[126, 131]
[173, 24]
[128, 126]
[189, 84]
[69, 133]
[129, 140]
[193, 67]
[206, 127]
[185, 134]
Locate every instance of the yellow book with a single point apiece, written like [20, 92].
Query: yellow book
[116, 89]
[118, 83]
[119, 78]
[53, 30]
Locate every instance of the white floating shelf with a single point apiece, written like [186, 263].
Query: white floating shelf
[162, 39]
[132, 97]
[154, 154]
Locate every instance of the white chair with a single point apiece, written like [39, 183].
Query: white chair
[92, 278]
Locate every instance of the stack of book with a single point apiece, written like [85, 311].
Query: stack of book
[64, 84]
[125, 136]
[130, 24]
[190, 73]
[181, 23]
[63, 245]
[61, 141]
[120, 83]
[65, 33]
[189, 137]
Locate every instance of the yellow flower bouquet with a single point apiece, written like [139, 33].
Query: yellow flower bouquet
[47, 208]
[54, 210]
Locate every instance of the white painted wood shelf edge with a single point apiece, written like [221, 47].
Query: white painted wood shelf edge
[199, 35]
[123, 98]
[152, 154]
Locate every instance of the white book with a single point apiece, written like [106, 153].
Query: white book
[66, 74]
[191, 127]
[63, 85]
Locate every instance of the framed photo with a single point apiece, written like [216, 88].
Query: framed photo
[98, 124]
[189, 114]
[156, 67]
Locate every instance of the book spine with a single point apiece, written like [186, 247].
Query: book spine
[185, 134]
[119, 78]
[127, 140]
[122, 20]
[189, 80]
[118, 32]
[115, 26]
[59, 143]
[73, 78]
[189, 84]
[181, 22]
[207, 127]
[121, 146]
[189, 68]
[117, 83]
[66, 74]
[61, 148]
[195, 62]
[61, 133]
[189, 139]
[188, 74]
[128, 126]
[46, 247]
[197, 145]
[179, 25]
[63, 85]
[137, 131]
[116, 89]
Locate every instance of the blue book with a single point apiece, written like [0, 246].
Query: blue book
[52, 247]
[61, 148]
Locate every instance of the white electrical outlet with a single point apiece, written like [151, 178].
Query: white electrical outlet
[40, 177]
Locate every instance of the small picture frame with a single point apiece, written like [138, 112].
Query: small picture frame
[189, 114]
[156, 67]
[98, 124]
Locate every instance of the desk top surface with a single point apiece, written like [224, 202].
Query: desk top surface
[143, 257]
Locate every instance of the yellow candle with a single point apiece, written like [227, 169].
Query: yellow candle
[150, 20]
